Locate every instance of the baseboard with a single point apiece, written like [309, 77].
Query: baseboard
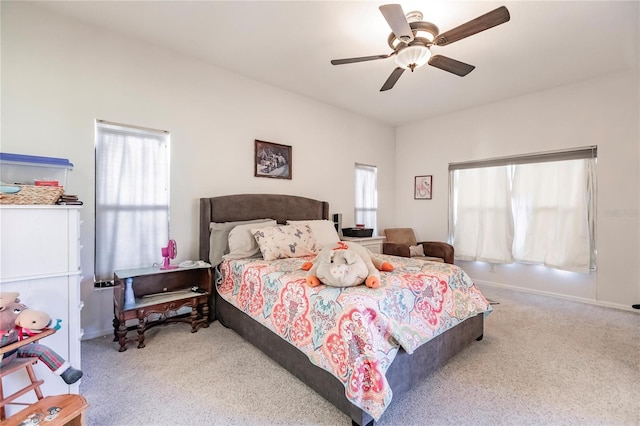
[560, 296]
[97, 333]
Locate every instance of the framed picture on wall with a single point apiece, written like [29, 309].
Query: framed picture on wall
[272, 160]
[422, 187]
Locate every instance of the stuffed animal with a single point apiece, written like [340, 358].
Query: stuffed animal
[12, 315]
[31, 322]
[345, 265]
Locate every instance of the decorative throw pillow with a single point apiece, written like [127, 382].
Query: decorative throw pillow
[416, 250]
[242, 245]
[281, 242]
[323, 231]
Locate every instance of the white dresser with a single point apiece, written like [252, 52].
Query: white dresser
[40, 259]
[374, 244]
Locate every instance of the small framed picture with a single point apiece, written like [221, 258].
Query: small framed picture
[272, 160]
[422, 187]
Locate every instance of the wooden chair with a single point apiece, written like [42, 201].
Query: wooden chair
[71, 412]
[400, 240]
[17, 365]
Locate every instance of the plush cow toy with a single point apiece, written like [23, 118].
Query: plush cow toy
[18, 322]
[345, 265]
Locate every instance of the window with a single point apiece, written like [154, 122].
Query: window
[366, 202]
[533, 209]
[132, 197]
[482, 215]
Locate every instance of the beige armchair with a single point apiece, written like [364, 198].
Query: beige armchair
[400, 240]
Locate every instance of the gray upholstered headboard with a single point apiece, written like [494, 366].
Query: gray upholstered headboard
[230, 208]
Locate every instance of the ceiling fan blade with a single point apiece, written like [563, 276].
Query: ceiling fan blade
[481, 23]
[391, 81]
[397, 21]
[451, 65]
[361, 59]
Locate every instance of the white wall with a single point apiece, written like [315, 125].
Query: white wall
[59, 75]
[603, 112]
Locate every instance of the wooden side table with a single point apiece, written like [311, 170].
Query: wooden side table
[57, 410]
[161, 292]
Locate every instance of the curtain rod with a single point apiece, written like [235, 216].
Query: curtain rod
[540, 157]
[366, 165]
[129, 126]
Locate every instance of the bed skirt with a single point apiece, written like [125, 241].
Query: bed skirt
[405, 372]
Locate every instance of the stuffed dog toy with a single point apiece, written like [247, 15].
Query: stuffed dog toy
[18, 322]
[345, 265]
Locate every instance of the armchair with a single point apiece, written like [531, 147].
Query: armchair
[399, 241]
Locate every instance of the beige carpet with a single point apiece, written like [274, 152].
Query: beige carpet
[543, 361]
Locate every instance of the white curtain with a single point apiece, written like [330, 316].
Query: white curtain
[132, 198]
[552, 211]
[538, 212]
[482, 216]
[366, 200]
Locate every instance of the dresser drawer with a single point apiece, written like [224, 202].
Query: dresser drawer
[39, 241]
[374, 244]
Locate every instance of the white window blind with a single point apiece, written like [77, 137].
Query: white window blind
[366, 201]
[533, 209]
[132, 197]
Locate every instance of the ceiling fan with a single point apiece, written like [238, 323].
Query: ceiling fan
[412, 38]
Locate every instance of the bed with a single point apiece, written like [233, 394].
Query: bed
[406, 369]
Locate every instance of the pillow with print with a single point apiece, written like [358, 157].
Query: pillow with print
[323, 231]
[281, 242]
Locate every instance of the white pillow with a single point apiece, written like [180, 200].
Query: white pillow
[242, 245]
[219, 238]
[323, 231]
[281, 242]
[416, 250]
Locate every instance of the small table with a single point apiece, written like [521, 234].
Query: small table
[159, 291]
[57, 410]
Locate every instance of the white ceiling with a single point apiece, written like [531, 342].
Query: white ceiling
[289, 44]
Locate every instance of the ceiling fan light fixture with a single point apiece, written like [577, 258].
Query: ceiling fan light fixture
[426, 35]
[412, 57]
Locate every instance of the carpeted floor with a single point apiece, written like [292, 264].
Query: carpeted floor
[543, 361]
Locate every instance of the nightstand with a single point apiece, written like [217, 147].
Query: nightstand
[374, 244]
[161, 292]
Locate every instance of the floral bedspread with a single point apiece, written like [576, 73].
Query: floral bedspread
[355, 332]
